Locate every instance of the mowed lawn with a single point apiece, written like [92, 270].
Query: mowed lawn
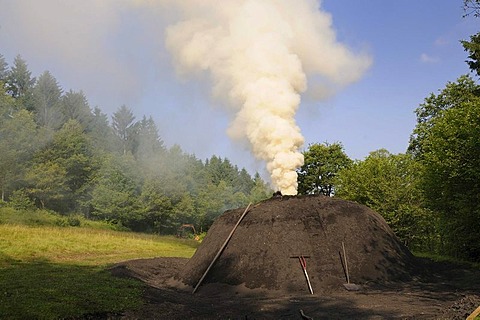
[56, 272]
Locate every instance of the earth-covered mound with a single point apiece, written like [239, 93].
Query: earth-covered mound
[262, 252]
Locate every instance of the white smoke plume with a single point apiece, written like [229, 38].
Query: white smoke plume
[259, 54]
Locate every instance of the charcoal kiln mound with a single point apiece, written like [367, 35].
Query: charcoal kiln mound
[263, 249]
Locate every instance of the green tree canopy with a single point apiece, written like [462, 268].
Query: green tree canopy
[70, 153]
[123, 126]
[445, 141]
[390, 185]
[147, 142]
[3, 69]
[46, 100]
[65, 157]
[322, 163]
[115, 194]
[19, 81]
[18, 141]
[454, 94]
[74, 106]
[473, 49]
[451, 159]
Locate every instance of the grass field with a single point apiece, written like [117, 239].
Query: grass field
[49, 272]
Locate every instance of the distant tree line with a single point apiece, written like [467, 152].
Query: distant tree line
[429, 195]
[59, 154]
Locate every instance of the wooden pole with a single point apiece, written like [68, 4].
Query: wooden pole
[221, 249]
[474, 314]
[346, 265]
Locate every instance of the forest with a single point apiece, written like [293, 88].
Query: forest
[60, 155]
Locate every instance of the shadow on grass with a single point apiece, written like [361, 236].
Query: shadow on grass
[43, 290]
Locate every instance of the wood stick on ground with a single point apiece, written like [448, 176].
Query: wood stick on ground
[474, 314]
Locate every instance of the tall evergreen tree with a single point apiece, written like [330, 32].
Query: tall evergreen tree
[123, 126]
[74, 106]
[3, 69]
[148, 143]
[19, 80]
[100, 132]
[46, 98]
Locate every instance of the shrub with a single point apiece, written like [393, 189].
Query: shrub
[20, 200]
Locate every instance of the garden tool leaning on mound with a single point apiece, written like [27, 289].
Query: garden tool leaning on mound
[303, 263]
[349, 286]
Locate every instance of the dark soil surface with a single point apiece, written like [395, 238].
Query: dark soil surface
[258, 274]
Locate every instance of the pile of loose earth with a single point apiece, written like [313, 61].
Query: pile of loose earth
[263, 252]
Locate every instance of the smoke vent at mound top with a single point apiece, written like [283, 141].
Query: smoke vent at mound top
[261, 252]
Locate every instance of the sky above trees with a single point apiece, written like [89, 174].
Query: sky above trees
[114, 51]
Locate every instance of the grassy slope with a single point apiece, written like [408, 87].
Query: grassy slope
[53, 272]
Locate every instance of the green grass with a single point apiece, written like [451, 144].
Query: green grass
[43, 290]
[85, 246]
[442, 258]
[39, 217]
[57, 272]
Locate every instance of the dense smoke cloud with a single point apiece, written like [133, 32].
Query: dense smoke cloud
[258, 54]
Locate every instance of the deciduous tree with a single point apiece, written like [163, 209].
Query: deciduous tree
[473, 49]
[445, 141]
[390, 185]
[322, 163]
[70, 152]
[18, 141]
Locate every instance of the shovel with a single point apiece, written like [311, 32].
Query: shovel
[349, 286]
[303, 263]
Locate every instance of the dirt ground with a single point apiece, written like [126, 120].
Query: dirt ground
[258, 277]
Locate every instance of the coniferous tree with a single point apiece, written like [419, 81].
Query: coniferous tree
[3, 69]
[123, 126]
[147, 142]
[74, 106]
[46, 99]
[100, 132]
[19, 80]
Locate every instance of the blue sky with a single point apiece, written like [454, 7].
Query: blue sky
[118, 57]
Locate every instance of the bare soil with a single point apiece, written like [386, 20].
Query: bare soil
[258, 274]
